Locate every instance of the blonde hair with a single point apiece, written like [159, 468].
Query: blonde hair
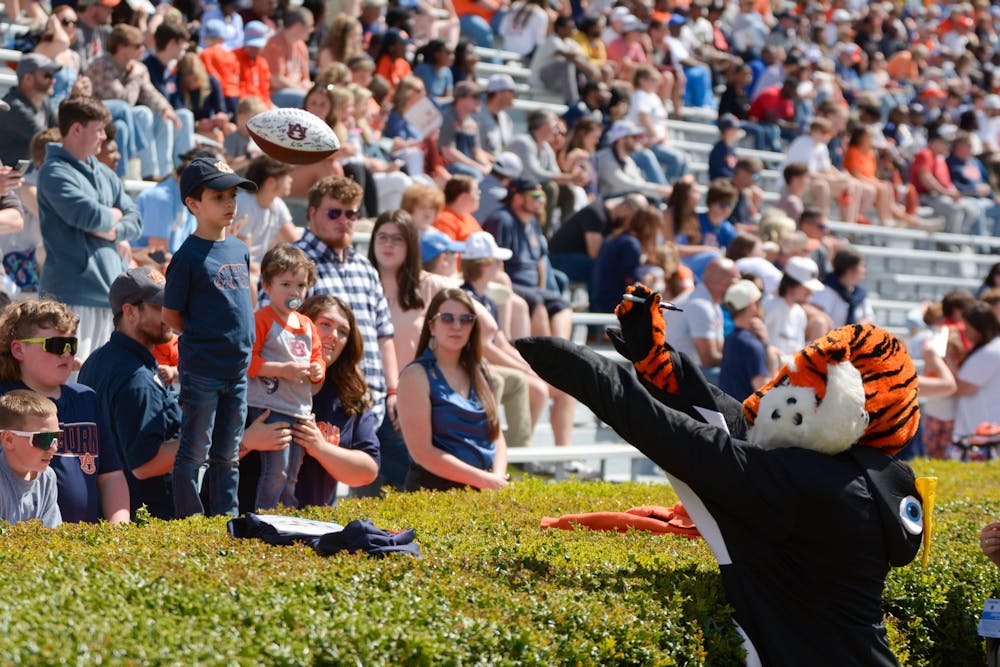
[19, 404]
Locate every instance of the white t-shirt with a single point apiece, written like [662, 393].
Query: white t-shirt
[262, 224]
[701, 318]
[836, 308]
[646, 102]
[981, 368]
[529, 32]
[786, 324]
[804, 149]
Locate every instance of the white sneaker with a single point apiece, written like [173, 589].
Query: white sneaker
[579, 469]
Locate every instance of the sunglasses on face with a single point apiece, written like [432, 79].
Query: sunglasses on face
[335, 213]
[40, 439]
[68, 22]
[54, 344]
[465, 319]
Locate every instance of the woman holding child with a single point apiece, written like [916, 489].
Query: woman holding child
[338, 439]
[450, 419]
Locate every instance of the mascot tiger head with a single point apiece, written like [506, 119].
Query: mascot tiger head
[856, 385]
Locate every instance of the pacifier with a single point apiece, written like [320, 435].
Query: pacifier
[293, 303]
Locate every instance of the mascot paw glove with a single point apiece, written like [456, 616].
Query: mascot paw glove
[642, 337]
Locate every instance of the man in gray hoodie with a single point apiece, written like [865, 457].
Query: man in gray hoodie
[84, 214]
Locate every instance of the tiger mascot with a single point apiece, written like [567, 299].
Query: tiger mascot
[796, 491]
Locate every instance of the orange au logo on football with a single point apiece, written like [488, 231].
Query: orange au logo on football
[296, 132]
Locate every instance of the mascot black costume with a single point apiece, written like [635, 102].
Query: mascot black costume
[796, 491]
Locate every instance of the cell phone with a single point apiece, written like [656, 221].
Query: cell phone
[22, 166]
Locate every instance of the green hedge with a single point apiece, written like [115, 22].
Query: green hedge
[492, 589]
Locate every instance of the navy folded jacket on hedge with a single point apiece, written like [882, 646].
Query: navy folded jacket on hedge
[326, 538]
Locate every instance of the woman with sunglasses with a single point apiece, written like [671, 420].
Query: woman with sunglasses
[37, 344]
[450, 420]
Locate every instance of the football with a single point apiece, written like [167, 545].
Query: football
[294, 136]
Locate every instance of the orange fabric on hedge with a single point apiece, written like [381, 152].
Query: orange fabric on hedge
[650, 518]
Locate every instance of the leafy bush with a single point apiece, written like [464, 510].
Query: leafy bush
[492, 588]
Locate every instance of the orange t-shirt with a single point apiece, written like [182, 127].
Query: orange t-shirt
[859, 163]
[166, 353]
[255, 77]
[393, 71]
[469, 7]
[901, 67]
[288, 61]
[224, 66]
[457, 227]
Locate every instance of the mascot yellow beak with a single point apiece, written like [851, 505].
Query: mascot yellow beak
[927, 486]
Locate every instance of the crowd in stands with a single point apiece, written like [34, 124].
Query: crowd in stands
[492, 217]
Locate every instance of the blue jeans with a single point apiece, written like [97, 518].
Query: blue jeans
[477, 29]
[460, 168]
[131, 141]
[650, 167]
[158, 157]
[766, 136]
[673, 161]
[212, 416]
[279, 470]
[698, 90]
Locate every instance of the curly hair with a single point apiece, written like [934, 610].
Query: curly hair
[345, 372]
[340, 188]
[23, 320]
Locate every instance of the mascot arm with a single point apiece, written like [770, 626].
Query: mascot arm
[717, 467]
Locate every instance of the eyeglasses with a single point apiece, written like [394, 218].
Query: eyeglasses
[390, 239]
[54, 344]
[40, 439]
[47, 76]
[535, 194]
[68, 22]
[335, 213]
[464, 320]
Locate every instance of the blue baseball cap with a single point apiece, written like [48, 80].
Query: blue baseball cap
[215, 29]
[433, 242]
[212, 173]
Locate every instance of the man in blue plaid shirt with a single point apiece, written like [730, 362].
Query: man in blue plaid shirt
[334, 203]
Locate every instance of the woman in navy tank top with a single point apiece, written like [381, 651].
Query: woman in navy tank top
[448, 413]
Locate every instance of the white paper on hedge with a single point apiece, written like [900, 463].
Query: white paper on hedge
[293, 525]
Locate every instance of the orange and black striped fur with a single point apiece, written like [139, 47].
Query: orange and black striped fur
[887, 372]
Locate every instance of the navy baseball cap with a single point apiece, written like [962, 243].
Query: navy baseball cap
[212, 173]
[433, 242]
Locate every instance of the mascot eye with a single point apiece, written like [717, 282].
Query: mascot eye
[784, 382]
[912, 515]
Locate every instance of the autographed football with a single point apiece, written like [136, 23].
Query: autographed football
[294, 136]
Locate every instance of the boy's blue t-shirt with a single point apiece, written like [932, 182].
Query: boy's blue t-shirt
[86, 450]
[711, 235]
[208, 282]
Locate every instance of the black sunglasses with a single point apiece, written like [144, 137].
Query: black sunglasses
[335, 213]
[465, 319]
[67, 22]
[40, 439]
[55, 344]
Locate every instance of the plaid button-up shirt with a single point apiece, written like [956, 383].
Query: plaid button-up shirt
[356, 281]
